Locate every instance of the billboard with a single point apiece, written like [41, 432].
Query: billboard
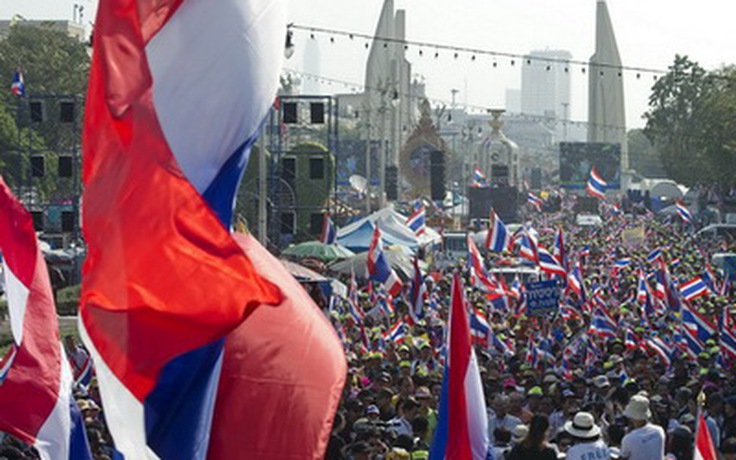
[577, 158]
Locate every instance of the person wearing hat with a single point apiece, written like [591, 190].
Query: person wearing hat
[586, 437]
[646, 440]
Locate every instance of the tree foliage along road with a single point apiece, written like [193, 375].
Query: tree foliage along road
[692, 123]
[53, 64]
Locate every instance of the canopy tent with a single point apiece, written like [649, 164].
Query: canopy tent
[318, 250]
[357, 236]
[358, 264]
[303, 274]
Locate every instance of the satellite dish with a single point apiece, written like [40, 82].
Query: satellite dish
[359, 183]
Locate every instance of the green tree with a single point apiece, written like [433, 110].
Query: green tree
[53, 64]
[644, 157]
[691, 123]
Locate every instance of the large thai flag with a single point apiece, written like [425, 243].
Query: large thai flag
[498, 238]
[683, 212]
[417, 221]
[661, 349]
[462, 427]
[36, 403]
[596, 185]
[329, 232]
[173, 308]
[379, 268]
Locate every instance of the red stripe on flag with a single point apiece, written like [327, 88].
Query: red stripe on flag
[458, 442]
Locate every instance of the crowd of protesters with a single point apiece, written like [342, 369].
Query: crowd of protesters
[555, 385]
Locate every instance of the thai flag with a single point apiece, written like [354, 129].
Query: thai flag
[697, 324]
[603, 325]
[479, 328]
[18, 86]
[417, 221]
[630, 341]
[585, 252]
[462, 426]
[709, 278]
[181, 334]
[353, 307]
[85, 374]
[417, 293]
[329, 232]
[528, 246]
[559, 250]
[644, 295]
[655, 255]
[575, 281]
[704, 447]
[683, 212]
[691, 344]
[498, 238]
[727, 335]
[535, 201]
[36, 403]
[661, 349]
[379, 268]
[694, 288]
[549, 264]
[397, 333]
[622, 263]
[479, 178]
[596, 185]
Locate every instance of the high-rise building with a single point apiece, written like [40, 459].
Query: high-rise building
[545, 83]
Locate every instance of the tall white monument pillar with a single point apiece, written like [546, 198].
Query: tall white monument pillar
[606, 110]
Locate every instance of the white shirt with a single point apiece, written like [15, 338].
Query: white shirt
[596, 450]
[645, 443]
[508, 421]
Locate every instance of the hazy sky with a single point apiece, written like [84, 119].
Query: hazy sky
[649, 34]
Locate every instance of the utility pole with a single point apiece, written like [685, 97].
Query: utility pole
[366, 117]
[262, 190]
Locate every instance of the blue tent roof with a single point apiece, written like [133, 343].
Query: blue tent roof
[358, 238]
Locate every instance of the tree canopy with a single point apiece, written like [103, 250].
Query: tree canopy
[692, 123]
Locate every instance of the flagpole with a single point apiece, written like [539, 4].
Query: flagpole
[262, 191]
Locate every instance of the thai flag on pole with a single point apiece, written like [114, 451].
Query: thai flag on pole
[18, 86]
[559, 250]
[535, 201]
[329, 232]
[417, 293]
[417, 220]
[175, 309]
[661, 349]
[630, 341]
[479, 328]
[529, 246]
[575, 281]
[462, 426]
[655, 255]
[704, 447]
[498, 238]
[596, 185]
[603, 325]
[479, 178]
[694, 288]
[683, 212]
[397, 333]
[549, 264]
[36, 402]
[700, 327]
[727, 335]
[379, 268]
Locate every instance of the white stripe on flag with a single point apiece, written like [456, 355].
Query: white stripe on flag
[477, 416]
[215, 49]
[52, 440]
[17, 295]
[123, 412]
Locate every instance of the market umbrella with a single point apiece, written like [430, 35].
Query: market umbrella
[400, 262]
[318, 250]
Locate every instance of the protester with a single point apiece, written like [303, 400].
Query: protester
[534, 446]
[646, 440]
[586, 439]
